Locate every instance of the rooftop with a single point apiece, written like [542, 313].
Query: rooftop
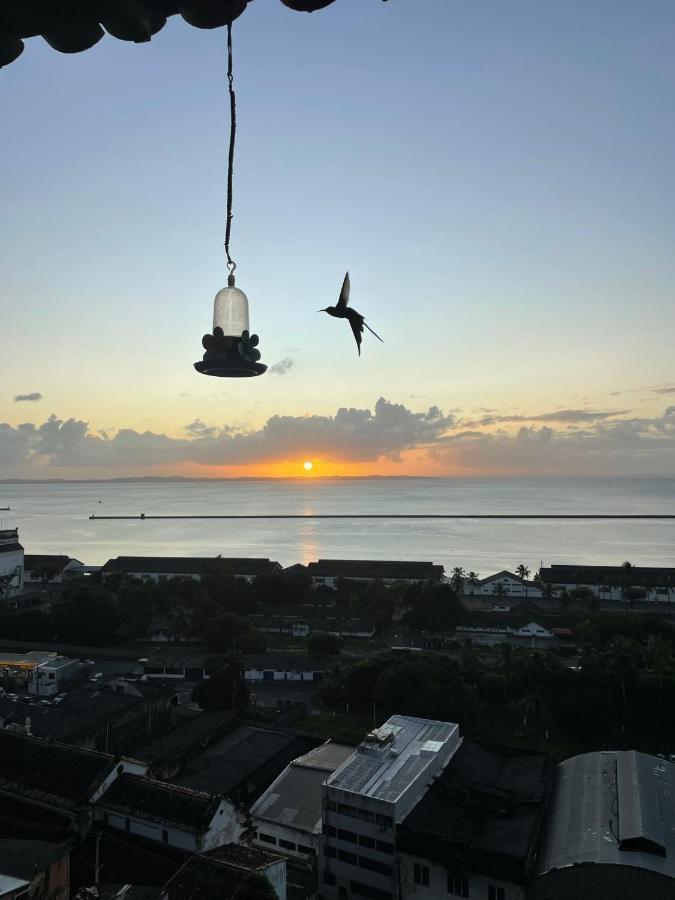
[25, 859]
[33, 768]
[242, 857]
[294, 799]
[485, 807]
[374, 568]
[204, 877]
[611, 807]
[616, 575]
[161, 802]
[187, 565]
[31, 562]
[399, 754]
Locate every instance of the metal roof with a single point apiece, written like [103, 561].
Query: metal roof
[294, 799]
[611, 807]
[395, 756]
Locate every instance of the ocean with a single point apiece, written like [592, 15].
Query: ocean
[54, 518]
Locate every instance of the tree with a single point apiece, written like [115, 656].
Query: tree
[457, 579]
[86, 615]
[321, 643]
[224, 690]
[472, 579]
[523, 573]
[659, 658]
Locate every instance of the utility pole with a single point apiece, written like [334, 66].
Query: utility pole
[97, 864]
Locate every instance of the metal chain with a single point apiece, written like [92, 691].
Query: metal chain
[231, 265]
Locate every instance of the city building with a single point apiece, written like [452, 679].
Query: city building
[163, 568]
[34, 869]
[475, 831]
[302, 621]
[11, 563]
[177, 816]
[288, 815]
[610, 829]
[327, 572]
[370, 795]
[44, 568]
[232, 871]
[284, 668]
[181, 668]
[612, 582]
[504, 585]
[49, 678]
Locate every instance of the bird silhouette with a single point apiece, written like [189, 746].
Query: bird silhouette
[343, 311]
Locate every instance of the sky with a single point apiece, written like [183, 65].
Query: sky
[496, 176]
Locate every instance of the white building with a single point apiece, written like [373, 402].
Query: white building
[369, 795]
[165, 568]
[288, 816]
[11, 563]
[44, 568]
[327, 572]
[503, 584]
[50, 677]
[292, 668]
[177, 816]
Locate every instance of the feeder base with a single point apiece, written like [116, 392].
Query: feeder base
[239, 368]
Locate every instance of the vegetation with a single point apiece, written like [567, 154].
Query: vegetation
[225, 689]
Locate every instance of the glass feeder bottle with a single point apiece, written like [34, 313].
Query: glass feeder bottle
[230, 310]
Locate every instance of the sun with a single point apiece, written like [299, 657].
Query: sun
[308, 466]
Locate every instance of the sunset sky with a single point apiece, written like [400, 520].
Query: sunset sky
[496, 176]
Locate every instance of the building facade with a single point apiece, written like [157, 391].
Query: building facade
[327, 572]
[11, 563]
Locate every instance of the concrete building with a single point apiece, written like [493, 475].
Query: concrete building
[51, 677]
[370, 795]
[327, 572]
[34, 869]
[231, 871]
[282, 668]
[180, 817]
[476, 830]
[288, 816]
[610, 830]
[164, 568]
[44, 569]
[11, 563]
[613, 582]
[504, 585]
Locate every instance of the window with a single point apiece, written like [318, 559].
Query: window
[127, 825]
[165, 835]
[346, 810]
[365, 890]
[51, 676]
[329, 878]
[346, 836]
[374, 865]
[330, 851]
[331, 805]
[496, 893]
[267, 838]
[348, 857]
[421, 875]
[330, 830]
[384, 820]
[307, 850]
[458, 885]
[366, 815]
[385, 847]
[366, 842]
[287, 845]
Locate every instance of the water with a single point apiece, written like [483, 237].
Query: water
[53, 518]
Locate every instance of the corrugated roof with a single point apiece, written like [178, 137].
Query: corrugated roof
[374, 568]
[188, 565]
[611, 807]
[294, 799]
[161, 802]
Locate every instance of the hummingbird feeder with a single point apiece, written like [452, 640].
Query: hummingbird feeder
[231, 351]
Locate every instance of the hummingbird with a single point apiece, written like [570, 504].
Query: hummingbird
[343, 311]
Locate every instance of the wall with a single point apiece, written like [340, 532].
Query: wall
[295, 836]
[438, 882]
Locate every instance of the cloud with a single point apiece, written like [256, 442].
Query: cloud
[560, 415]
[200, 430]
[30, 398]
[350, 435]
[282, 367]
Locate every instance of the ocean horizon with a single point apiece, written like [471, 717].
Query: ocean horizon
[53, 517]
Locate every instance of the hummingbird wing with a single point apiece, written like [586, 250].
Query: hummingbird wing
[344, 294]
[356, 323]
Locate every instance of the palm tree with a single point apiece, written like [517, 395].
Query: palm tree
[457, 580]
[626, 582]
[524, 573]
[472, 579]
[498, 589]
